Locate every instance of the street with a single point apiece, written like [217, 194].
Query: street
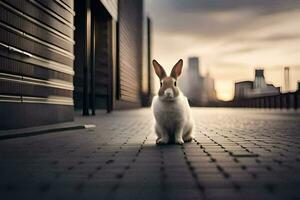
[237, 153]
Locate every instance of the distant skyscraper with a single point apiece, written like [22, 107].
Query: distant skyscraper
[286, 78]
[198, 89]
[194, 65]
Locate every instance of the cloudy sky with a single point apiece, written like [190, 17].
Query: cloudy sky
[231, 38]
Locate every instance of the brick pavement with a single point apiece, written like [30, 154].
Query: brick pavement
[249, 154]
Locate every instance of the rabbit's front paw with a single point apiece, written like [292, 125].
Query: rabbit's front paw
[162, 141]
[188, 139]
[179, 141]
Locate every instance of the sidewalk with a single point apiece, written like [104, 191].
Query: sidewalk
[237, 154]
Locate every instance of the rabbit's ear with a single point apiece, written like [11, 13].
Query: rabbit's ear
[176, 71]
[159, 70]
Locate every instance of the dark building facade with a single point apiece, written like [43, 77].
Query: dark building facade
[36, 62]
[94, 55]
[147, 70]
[52, 61]
[109, 54]
[130, 20]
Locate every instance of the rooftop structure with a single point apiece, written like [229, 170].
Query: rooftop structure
[256, 88]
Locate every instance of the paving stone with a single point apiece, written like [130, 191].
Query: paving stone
[244, 154]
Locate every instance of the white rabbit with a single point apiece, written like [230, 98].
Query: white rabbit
[174, 123]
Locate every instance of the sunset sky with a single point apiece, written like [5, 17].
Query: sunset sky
[231, 38]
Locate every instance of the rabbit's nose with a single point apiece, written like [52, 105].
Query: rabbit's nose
[169, 92]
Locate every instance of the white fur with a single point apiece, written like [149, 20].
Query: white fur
[173, 119]
[169, 93]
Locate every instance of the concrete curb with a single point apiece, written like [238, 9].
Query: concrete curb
[17, 133]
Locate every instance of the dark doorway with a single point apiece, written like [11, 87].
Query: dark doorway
[93, 62]
[102, 56]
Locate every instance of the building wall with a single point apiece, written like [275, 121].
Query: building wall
[36, 62]
[93, 62]
[130, 20]
[103, 58]
[112, 7]
[79, 37]
[147, 69]
[112, 56]
[241, 89]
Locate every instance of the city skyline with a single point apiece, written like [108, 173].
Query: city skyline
[231, 38]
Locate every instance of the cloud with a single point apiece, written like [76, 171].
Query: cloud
[213, 18]
[241, 50]
[280, 37]
[262, 7]
[257, 41]
[231, 37]
[275, 37]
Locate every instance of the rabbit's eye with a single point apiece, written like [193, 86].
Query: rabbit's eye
[160, 84]
[175, 83]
